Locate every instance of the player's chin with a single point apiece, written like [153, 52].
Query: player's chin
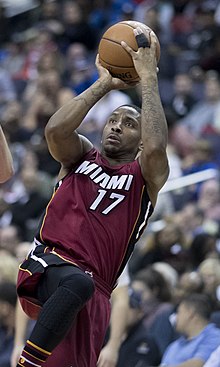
[111, 147]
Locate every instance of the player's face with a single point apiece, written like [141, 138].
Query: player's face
[122, 132]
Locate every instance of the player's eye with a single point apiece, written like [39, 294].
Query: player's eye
[128, 123]
[112, 121]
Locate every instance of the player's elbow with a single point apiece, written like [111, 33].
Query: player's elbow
[52, 130]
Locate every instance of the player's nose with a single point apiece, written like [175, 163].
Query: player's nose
[117, 126]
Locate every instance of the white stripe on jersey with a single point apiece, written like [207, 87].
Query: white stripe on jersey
[145, 220]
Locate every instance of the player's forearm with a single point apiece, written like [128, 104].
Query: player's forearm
[6, 165]
[154, 126]
[21, 322]
[69, 117]
[119, 316]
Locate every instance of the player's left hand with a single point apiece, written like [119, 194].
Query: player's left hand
[144, 58]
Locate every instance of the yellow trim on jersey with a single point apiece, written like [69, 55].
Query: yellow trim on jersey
[41, 360]
[28, 271]
[63, 258]
[38, 348]
[43, 221]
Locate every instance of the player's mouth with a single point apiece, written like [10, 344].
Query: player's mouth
[113, 138]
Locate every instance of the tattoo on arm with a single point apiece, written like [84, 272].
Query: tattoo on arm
[95, 94]
[154, 123]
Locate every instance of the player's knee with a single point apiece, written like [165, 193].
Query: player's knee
[80, 284]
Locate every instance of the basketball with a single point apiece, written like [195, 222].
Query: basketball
[114, 57]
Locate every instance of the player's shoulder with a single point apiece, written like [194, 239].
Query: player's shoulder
[86, 144]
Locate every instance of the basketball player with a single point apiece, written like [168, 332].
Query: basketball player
[98, 211]
[6, 166]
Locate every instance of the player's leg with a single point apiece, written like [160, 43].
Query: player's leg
[63, 291]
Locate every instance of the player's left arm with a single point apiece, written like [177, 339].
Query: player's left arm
[6, 164]
[153, 158]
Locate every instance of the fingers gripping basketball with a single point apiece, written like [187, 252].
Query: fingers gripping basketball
[115, 58]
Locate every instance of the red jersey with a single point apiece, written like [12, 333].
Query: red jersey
[96, 215]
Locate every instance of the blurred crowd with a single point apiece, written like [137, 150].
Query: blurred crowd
[47, 56]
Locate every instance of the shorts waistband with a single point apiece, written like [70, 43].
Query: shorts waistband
[101, 285]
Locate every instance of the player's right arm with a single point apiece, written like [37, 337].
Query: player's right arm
[6, 165]
[21, 323]
[64, 144]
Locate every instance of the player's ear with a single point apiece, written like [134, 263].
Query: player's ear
[140, 148]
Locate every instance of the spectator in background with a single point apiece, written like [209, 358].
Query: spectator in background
[10, 236]
[189, 282]
[8, 267]
[8, 297]
[200, 337]
[51, 60]
[138, 347]
[7, 89]
[201, 122]
[49, 96]
[75, 27]
[79, 72]
[209, 199]
[27, 210]
[22, 249]
[12, 121]
[156, 293]
[6, 165]
[36, 42]
[202, 246]
[49, 17]
[163, 328]
[211, 61]
[167, 244]
[206, 109]
[214, 359]
[209, 270]
[45, 180]
[190, 218]
[183, 98]
[200, 159]
[168, 272]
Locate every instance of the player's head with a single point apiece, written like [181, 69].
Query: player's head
[122, 133]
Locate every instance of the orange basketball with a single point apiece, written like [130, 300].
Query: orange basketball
[114, 57]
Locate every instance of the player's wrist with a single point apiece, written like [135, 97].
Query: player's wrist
[106, 83]
[148, 77]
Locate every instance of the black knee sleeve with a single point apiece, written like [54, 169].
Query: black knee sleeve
[80, 284]
[60, 306]
[59, 310]
[55, 318]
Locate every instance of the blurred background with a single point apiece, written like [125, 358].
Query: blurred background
[47, 55]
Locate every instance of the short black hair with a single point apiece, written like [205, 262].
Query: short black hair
[202, 304]
[138, 109]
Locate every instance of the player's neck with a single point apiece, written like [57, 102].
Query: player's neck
[117, 161]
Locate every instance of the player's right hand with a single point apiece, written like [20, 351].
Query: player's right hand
[108, 357]
[111, 82]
